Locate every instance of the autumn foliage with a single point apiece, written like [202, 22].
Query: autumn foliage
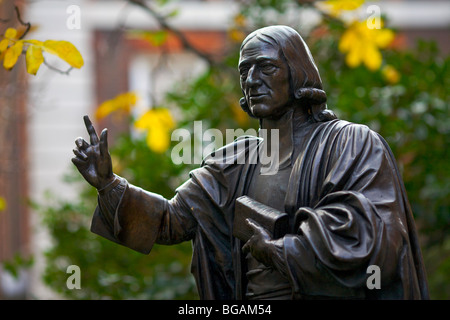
[12, 46]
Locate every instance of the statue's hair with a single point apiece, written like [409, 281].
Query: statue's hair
[304, 77]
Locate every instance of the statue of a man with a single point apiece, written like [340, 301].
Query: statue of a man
[337, 181]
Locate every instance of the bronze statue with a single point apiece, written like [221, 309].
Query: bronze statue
[336, 186]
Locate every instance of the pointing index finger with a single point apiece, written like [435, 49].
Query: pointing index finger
[91, 130]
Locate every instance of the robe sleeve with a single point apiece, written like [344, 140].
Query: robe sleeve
[137, 219]
[354, 219]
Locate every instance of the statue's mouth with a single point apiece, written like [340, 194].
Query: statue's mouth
[257, 96]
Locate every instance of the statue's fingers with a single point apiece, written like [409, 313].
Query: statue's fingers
[257, 228]
[252, 224]
[91, 130]
[104, 142]
[80, 154]
[81, 143]
[78, 162]
[246, 247]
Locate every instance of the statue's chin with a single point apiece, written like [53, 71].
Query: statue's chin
[262, 111]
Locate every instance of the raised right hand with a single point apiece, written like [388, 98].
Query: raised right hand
[93, 160]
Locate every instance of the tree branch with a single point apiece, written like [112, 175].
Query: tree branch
[164, 25]
[27, 24]
[58, 70]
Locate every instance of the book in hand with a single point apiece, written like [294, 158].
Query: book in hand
[274, 221]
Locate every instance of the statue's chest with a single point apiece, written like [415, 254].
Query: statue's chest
[270, 189]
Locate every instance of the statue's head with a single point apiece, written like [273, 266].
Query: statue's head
[277, 71]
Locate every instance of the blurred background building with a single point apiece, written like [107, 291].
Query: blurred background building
[41, 116]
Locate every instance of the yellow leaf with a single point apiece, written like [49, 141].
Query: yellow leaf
[2, 204]
[158, 139]
[121, 102]
[35, 42]
[158, 123]
[372, 58]
[21, 31]
[105, 109]
[146, 121]
[165, 119]
[347, 40]
[12, 54]
[240, 20]
[353, 58]
[4, 45]
[155, 117]
[384, 38]
[336, 7]
[66, 51]
[236, 35]
[362, 44]
[34, 59]
[126, 100]
[390, 74]
[10, 33]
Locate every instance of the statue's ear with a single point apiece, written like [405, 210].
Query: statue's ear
[244, 105]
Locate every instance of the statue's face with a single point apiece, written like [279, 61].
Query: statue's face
[264, 79]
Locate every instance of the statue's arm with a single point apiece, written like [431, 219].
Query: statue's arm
[138, 219]
[127, 214]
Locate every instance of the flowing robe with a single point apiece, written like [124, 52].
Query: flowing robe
[344, 186]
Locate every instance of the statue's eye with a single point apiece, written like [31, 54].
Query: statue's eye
[268, 68]
[243, 72]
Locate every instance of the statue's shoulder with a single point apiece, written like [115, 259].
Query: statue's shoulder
[358, 137]
[347, 128]
[231, 152]
[224, 166]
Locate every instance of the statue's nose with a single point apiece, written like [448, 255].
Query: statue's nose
[253, 77]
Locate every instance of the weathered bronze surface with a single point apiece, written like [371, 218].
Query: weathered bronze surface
[337, 181]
